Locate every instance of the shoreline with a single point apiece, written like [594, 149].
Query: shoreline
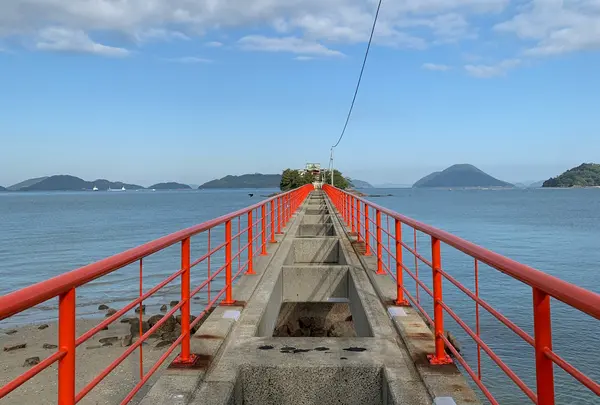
[38, 341]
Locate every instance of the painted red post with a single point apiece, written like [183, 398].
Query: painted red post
[348, 211]
[353, 213]
[185, 299]
[250, 243]
[379, 256]
[399, 276]
[66, 343]
[279, 215]
[358, 220]
[367, 236]
[228, 287]
[542, 330]
[440, 356]
[263, 232]
[273, 221]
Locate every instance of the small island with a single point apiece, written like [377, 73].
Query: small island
[461, 176]
[256, 180]
[584, 175]
[170, 186]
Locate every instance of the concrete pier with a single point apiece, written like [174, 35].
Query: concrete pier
[315, 325]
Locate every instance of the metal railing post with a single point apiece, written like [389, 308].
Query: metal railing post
[399, 276]
[367, 236]
[358, 220]
[263, 232]
[379, 253]
[273, 221]
[228, 286]
[278, 215]
[353, 213]
[440, 356]
[185, 299]
[542, 330]
[250, 243]
[66, 343]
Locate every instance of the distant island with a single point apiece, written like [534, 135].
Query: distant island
[585, 175]
[256, 180]
[26, 183]
[170, 186]
[3, 189]
[530, 184]
[461, 176]
[360, 184]
[70, 183]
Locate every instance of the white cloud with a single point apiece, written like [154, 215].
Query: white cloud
[487, 71]
[346, 21]
[285, 44]
[189, 59]
[160, 34]
[304, 58]
[214, 44]
[436, 67]
[556, 27]
[64, 40]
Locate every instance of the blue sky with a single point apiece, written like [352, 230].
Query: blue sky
[190, 90]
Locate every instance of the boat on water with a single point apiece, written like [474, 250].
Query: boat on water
[95, 188]
[117, 189]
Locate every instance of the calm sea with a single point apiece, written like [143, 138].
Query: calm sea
[556, 231]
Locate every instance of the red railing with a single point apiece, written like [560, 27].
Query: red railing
[544, 286]
[279, 208]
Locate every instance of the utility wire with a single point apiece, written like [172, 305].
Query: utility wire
[360, 76]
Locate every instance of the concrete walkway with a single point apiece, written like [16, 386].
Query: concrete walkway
[313, 326]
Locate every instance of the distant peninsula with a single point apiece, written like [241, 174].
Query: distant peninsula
[3, 189]
[170, 186]
[460, 176]
[360, 184]
[72, 183]
[256, 180]
[585, 175]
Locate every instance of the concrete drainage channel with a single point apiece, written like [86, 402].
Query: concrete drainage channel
[313, 331]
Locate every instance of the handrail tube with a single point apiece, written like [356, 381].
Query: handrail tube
[511, 325]
[17, 301]
[543, 286]
[575, 296]
[512, 375]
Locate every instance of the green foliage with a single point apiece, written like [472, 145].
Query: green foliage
[585, 175]
[339, 180]
[291, 179]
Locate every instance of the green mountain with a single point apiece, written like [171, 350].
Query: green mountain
[585, 175]
[26, 183]
[460, 176]
[360, 184]
[256, 180]
[72, 183]
[170, 186]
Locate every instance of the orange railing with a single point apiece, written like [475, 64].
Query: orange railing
[279, 209]
[357, 213]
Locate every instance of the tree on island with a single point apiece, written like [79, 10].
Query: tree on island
[339, 180]
[585, 175]
[291, 179]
